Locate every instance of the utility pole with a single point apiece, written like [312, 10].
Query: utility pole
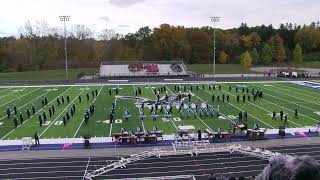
[214, 20]
[65, 19]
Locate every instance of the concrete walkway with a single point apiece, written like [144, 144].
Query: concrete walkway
[116, 152]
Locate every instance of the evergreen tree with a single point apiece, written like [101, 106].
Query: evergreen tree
[297, 54]
[255, 56]
[266, 54]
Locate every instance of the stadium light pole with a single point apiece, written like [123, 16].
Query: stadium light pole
[64, 19]
[214, 19]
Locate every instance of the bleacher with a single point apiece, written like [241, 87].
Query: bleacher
[143, 68]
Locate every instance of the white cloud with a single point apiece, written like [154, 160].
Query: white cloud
[111, 14]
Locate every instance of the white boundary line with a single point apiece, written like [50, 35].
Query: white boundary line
[83, 118]
[155, 83]
[249, 114]
[20, 97]
[35, 113]
[62, 112]
[285, 107]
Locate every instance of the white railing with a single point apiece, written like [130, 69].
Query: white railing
[257, 152]
[111, 165]
[180, 148]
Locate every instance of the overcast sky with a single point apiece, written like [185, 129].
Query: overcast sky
[128, 15]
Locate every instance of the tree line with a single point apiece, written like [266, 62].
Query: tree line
[41, 46]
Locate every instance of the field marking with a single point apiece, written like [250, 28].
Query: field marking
[300, 88]
[294, 102]
[144, 130]
[83, 118]
[35, 113]
[248, 113]
[24, 105]
[175, 126]
[86, 167]
[293, 91]
[20, 97]
[154, 83]
[62, 112]
[285, 107]
[215, 109]
[190, 109]
[12, 92]
[263, 109]
[134, 89]
[5, 89]
[110, 130]
[291, 96]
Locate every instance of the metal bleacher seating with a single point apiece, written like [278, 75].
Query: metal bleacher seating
[121, 69]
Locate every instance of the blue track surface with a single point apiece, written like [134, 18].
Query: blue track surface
[124, 145]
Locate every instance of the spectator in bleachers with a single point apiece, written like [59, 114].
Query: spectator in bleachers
[291, 168]
[212, 177]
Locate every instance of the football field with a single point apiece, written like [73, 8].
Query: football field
[280, 96]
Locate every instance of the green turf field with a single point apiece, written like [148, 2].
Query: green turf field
[58, 74]
[277, 97]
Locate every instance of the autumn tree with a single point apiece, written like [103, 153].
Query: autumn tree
[223, 57]
[246, 60]
[278, 52]
[255, 39]
[201, 48]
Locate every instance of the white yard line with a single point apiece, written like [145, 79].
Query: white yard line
[144, 129]
[196, 114]
[83, 118]
[26, 104]
[291, 96]
[315, 110]
[215, 109]
[20, 97]
[110, 130]
[5, 89]
[11, 93]
[300, 88]
[264, 109]
[173, 123]
[35, 114]
[169, 118]
[62, 111]
[248, 113]
[86, 169]
[285, 107]
[295, 92]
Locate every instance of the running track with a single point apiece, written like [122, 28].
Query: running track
[220, 163]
